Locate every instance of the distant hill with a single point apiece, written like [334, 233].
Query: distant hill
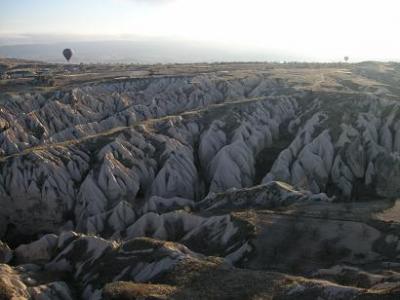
[137, 52]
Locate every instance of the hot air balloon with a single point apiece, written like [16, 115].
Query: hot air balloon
[67, 54]
[346, 58]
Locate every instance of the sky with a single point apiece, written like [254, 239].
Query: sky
[315, 29]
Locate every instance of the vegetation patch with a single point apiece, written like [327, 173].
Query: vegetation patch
[122, 290]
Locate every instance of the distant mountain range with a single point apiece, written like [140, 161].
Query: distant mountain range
[143, 51]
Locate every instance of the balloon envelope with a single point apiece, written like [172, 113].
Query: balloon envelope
[67, 53]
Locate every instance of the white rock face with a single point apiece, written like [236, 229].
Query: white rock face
[94, 108]
[87, 185]
[220, 231]
[92, 260]
[307, 161]
[178, 176]
[270, 195]
[233, 164]
[345, 156]
[211, 141]
[38, 251]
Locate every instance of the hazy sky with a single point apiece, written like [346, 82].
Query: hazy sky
[324, 29]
